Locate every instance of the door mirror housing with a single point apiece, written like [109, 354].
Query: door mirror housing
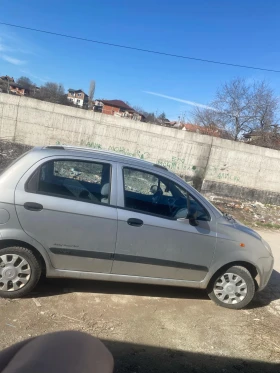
[154, 189]
[192, 216]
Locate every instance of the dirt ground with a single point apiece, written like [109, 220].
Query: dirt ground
[251, 213]
[10, 151]
[156, 329]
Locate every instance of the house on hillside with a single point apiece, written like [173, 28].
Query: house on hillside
[256, 135]
[5, 83]
[78, 97]
[206, 130]
[252, 136]
[7, 78]
[17, 89]
[203, 130]
[117, 108]
[268, 139]
[8, 85]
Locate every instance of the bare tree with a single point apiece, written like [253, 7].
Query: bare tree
[234, 104]
[265, 107]
[25, 82]
[208, 118]
[4, 86]
[53, 92]
[240, 107]
[162, 116]
[150, 117]
[139, 109]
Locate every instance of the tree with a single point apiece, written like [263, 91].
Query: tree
[91, 90]
[139, 109]
[207, 118]
[265, 106]
[162, 116]
[240, 107]
[53, 92]
[150, 117]
[4, 86]
[234, 105]
[25, 82]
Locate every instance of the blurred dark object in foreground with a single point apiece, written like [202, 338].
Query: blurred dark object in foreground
[68, 351]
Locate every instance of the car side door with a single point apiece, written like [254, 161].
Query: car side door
[155, 239]
[68, 205]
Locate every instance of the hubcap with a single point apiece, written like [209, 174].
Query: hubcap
[230, 288]
[15, 272]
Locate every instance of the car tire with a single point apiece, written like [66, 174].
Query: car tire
[232, 288]
[20, 271]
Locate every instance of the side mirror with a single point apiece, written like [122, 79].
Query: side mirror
[192, 215]
[154, 189]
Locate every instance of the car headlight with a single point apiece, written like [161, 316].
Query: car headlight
[266, 245]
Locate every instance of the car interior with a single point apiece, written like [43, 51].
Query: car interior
[164, 199]
[74, 185]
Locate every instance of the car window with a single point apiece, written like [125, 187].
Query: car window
[79, 180]
[142, 182]
[150, 193]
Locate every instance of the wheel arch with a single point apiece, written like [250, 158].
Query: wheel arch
[249, 266]
[4, 243]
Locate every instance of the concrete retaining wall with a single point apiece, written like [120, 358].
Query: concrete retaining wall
[215, 165]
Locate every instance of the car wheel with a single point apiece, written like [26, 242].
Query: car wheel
[20, 271]
[233, 288]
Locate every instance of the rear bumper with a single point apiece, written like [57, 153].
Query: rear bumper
[265, 266]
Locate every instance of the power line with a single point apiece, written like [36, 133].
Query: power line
[140, 49]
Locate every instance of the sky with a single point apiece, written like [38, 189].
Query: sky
[239, 32]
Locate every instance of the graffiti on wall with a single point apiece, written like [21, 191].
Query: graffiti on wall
[117, 149]
[175, 164]
[178, 164]
[122, 150]
[222, 174]
[94, 145]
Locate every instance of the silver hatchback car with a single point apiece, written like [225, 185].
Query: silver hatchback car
[82, 213]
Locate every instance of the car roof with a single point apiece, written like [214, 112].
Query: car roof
[80, 151]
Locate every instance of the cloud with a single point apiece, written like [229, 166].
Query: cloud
[34, 76]
[14, 42]
[14, 61]
[13, 49]
[192, 103]
[5, 48]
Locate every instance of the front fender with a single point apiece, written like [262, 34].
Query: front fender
[229, 251]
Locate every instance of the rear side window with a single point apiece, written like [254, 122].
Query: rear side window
[74, 179]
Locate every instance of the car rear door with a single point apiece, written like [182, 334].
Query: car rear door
[67, 204]
[153, 240]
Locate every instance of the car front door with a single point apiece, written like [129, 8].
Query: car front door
[154, 237]
[66, 204]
